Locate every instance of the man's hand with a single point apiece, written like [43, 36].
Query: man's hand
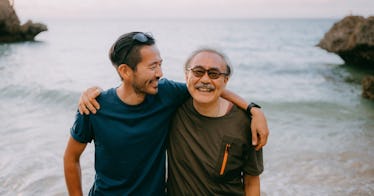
[259, 127]
[87, 102]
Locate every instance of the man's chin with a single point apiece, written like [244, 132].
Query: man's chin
[153, 87]
[202, 97]
[152, 91]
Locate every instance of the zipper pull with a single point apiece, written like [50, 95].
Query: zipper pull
[225, 157]
[227, 148]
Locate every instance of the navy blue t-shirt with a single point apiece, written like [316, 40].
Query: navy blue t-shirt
[130, 140]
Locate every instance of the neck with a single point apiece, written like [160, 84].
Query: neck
[127, 95]
[215, 109]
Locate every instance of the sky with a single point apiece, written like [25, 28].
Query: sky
[28, 9]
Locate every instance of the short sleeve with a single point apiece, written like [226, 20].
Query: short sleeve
[81, 130]
[254, 162]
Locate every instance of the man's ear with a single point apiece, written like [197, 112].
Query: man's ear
[226, 79]
[124, 71]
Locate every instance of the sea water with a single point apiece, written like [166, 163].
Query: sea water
[321, 129]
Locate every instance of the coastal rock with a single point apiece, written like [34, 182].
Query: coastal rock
[368, 87]
[352, 39]
[10, 28]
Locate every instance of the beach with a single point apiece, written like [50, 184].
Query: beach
[321, 129]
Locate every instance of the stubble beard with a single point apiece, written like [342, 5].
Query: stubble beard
[140, 88]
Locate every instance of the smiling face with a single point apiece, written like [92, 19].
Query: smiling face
[206, 90]
[144, 79]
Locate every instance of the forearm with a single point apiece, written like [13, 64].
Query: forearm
[72, 171]
[251, 185]
[235, 99]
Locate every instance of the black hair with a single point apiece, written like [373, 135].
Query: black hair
[126, 49]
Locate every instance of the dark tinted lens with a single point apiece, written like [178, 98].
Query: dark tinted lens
[214, 74]
[198, 72]
[140, 37]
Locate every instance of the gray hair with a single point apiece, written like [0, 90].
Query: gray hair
[211, 50]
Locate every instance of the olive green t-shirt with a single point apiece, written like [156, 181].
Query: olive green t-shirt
[209, 156]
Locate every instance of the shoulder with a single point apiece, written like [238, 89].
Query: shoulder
[174, 92]
[240, 114]
[108, 95]
[240, 123]
[166, 84]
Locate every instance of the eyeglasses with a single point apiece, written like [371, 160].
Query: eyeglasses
[137, 38]
[213, 73]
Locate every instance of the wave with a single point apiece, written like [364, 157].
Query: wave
[39, 95]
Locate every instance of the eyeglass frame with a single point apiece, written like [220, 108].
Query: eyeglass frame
[206, 71]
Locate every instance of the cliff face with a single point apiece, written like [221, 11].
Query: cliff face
[368, 87]
[352, 39]
[10, 28]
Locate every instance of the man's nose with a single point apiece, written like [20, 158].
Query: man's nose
[159, 72]
[205, 77]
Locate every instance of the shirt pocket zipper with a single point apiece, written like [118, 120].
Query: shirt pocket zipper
[225, 158]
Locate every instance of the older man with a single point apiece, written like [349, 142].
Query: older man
[209, 152]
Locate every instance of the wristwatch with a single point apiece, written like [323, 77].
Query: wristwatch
[250, 106]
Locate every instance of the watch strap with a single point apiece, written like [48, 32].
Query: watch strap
[250, 106]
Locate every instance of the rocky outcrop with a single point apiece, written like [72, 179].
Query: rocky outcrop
[10, 28]
[368, 87]
[352, 39]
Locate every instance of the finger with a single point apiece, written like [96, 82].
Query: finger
[80, 110]
[91, 108]
[80, 107]
[85, 103]
[97, 92]
[254, 136]
[88, 105]
[260, 144]
[262, 139]
[264, 136]
[85, 110]
[93, 101]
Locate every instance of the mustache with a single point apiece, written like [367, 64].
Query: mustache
[207, 86]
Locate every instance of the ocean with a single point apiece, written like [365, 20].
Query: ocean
[321, 129]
